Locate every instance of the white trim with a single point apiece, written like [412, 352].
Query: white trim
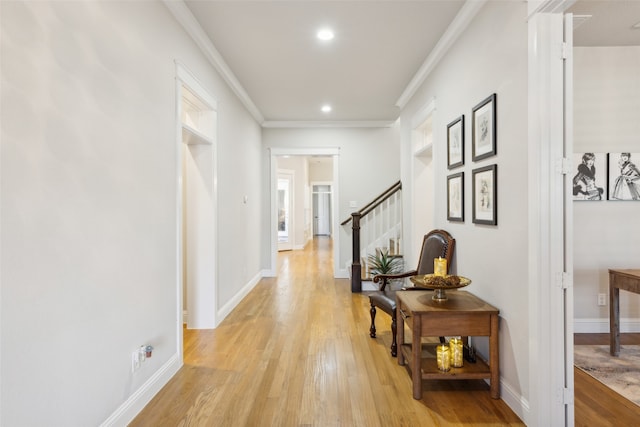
[184, 78]
[546, 222]
[515, 401]
[329, 124]
[341, 273]
[233, 302]
[291, 174]
[459, 24]
[183, 15]
[316, 151]
[141, 397]
[601, 326]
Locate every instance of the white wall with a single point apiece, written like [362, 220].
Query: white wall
[368, 164]
[488, 58]
[89, 212]
[607, 107]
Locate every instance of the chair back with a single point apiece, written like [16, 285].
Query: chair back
[437, 243]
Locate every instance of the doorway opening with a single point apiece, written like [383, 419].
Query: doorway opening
[286, 184]
[321, 206]
[309, 166]
[197, 209]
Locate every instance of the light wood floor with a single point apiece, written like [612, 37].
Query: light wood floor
[297, 352]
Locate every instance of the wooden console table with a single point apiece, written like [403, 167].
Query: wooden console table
[628, 280]
[463, 314]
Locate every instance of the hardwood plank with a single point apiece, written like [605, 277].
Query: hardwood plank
[296, 352]
[595, 403]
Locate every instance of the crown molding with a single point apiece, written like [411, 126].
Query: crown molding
[183, 15]
[329, 124]
[455, 29]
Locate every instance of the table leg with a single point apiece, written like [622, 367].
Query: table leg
[494, 358]
[416, 357]
[614, 316]
[400, 332]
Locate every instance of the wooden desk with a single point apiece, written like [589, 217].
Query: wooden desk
[463, 314]
[629, 280]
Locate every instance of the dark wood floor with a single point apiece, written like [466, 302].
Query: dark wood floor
[596, 404]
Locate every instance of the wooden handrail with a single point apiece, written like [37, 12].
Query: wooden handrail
[377, 201]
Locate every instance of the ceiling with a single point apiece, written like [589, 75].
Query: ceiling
[289, 74]
[606, 23]
[367, 72]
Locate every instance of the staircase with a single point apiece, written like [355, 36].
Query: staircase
[375, 227]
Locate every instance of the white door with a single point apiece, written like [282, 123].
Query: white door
[321, 210]
[285, 210]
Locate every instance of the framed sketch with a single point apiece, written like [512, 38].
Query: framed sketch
[590, 176]
[624, 176]
[455, 143]
[483, 125]
[485, 195]
[455, 197]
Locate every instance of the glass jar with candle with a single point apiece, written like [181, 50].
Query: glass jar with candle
[456, 350]
[439, 266]
[443, 357]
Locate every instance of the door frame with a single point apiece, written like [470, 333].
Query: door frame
[275, 152]
[291, 174]
[184, 78]
[331, 201]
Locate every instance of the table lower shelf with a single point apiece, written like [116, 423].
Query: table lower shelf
[429, 368]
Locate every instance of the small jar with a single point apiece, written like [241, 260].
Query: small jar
[443, 357]
[456, 350]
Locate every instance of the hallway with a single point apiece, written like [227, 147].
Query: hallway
[297, 352]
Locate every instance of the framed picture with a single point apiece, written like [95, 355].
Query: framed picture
[624, 176]
[455, 197]
[485, 195]
[455, 143]
[483, 120]
[590, 176]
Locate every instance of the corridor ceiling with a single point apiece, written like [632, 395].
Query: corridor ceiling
[369, 70]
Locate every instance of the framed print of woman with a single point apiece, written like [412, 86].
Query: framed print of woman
[586, 184]
[624, 177]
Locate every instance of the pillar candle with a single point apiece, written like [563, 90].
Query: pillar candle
[440, 266]
[455, 348]
[443, 358]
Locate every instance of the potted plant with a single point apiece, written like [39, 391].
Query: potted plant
[383, 263]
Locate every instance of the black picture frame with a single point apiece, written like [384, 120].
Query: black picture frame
[484, 183]
[455, 197]
[589, 177]
[455, 143]
[484, 129]
[624, 176]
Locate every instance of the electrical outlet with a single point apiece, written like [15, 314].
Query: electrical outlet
[602, 299]
[135, 360]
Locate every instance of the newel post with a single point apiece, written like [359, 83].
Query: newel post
[356, 269]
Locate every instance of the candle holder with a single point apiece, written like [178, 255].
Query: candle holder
[457, 350]
[439, 284]
[443, 358]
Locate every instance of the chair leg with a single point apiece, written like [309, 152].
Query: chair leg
[394, 330]
[372, 329]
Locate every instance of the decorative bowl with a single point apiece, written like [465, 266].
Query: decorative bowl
[439, 284]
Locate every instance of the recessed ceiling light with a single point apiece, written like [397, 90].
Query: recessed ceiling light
[636, 26]
[325, 34]
[326, 108]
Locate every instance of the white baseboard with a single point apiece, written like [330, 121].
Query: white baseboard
[268, 273]
[368, 285]
[141, 397]
[594, 326]
[233, 302]
[341, 274]
[515, 401]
